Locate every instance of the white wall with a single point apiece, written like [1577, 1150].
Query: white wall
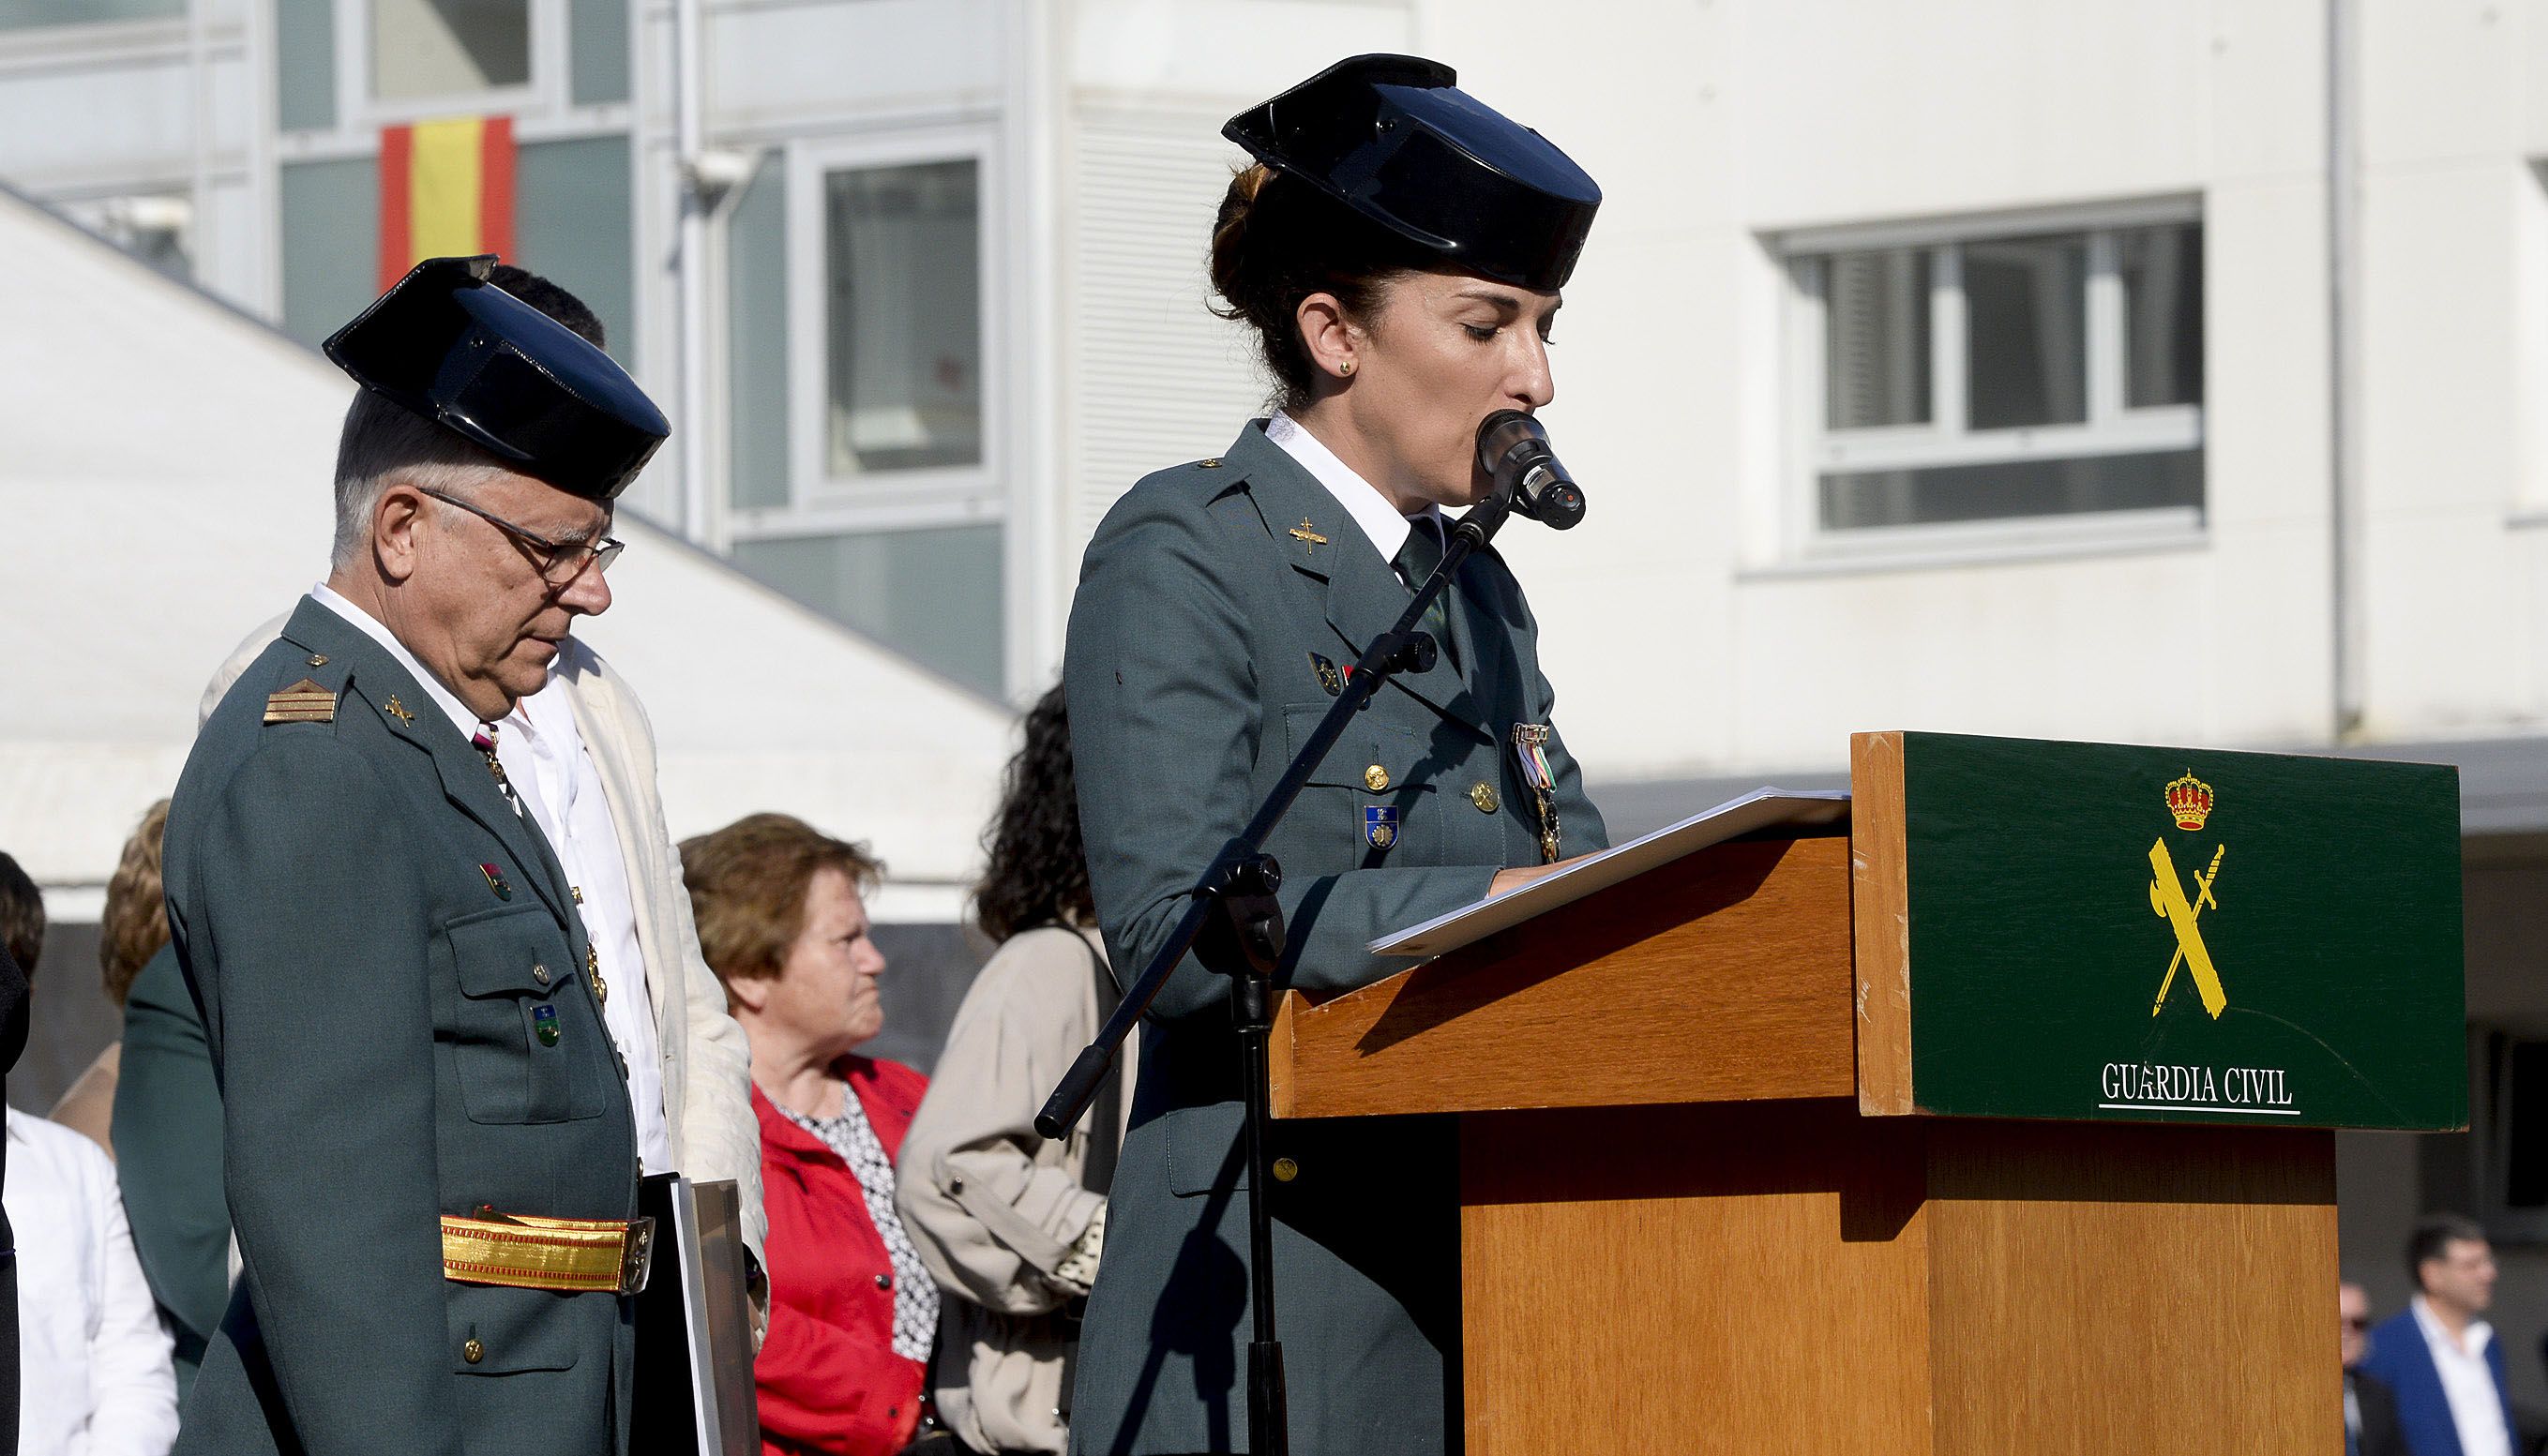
[1686, 636]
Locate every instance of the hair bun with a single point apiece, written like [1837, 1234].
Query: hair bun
[1230, 231]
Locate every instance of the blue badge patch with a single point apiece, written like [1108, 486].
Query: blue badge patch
[544, 1024]
[1380, 824]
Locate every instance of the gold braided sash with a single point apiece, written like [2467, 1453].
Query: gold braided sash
[526, 1251]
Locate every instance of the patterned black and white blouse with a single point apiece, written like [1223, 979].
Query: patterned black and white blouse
[915, 1299]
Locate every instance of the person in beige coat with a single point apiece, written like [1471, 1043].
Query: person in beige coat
[1011, 1225]
[705, 1129]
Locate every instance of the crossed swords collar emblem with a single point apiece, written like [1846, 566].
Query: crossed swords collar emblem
[2189, 801]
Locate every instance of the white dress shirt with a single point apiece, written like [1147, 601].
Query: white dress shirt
[2467, 1382]
[96, 1370]
[547, 764]
[563, 793]
[1370, 509]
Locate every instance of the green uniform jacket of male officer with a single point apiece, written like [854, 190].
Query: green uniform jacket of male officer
[1216, 607]
[168, 1158]
[374, 1001]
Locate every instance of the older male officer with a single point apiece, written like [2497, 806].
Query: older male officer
[430, 1147]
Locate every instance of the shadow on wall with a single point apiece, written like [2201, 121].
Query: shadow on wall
[929, 967]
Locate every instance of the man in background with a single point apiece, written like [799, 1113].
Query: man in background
[2370, 1410]
[13, 1041]
[2443, 1362]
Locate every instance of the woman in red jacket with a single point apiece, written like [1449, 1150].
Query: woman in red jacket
[852, 1310]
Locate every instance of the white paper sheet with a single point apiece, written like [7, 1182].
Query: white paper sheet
[1762, 808]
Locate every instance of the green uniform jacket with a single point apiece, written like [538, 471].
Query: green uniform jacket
[1215, 603]
[378, 945]
[168, 1158]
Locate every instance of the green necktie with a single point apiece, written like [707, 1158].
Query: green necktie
[1416, 561]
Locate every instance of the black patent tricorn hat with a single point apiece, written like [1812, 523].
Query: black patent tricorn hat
[1394, 139]
[455, 349]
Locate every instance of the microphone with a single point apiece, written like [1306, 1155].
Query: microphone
[1514, 449]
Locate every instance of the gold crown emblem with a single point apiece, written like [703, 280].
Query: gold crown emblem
[2189, 801]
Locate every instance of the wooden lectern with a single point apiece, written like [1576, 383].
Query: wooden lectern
[1729, 1184]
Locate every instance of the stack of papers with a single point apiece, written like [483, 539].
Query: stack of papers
[1762, 808]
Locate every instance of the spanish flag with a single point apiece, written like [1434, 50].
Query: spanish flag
[446, 191]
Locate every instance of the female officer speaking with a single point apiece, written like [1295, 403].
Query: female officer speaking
[1398, 250]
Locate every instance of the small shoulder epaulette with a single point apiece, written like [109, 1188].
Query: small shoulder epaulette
[303, 702]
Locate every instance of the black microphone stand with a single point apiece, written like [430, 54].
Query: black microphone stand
[1235, 902]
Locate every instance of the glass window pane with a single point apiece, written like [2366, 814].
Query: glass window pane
[597, 48]
[572, 222]
[1876, 338]
[933, 595]
[18, 15]
[2026, 312]
[331, 243]
[2525, 1130]
[901, 265]
[1952, 493]
[448, 48]
[305, 64]
[755, 272]
[156, 227]
[2163, 276]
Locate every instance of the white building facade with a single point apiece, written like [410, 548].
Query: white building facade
[2154, 372]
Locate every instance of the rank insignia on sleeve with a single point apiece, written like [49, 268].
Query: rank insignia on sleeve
[1380, 824]
[495, 882]
[544, 1024]
[303, 702]
[1328, 677]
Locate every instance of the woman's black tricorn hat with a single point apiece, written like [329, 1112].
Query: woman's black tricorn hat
[1394, 139]
[455, 349]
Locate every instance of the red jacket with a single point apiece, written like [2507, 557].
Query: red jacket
[829, 1379]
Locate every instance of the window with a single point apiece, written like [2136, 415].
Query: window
[1967, 376]
[423, 49]
[903, 317]
[863, 451]
[2509, 1134]
[18, 15]
[156, 227]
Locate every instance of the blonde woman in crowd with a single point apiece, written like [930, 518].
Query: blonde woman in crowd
[132, 928]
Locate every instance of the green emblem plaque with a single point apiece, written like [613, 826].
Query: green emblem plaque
[2107, 933]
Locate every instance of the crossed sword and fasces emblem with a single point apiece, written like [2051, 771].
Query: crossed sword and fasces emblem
[2168, 901]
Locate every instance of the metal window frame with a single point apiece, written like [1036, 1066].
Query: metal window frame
[2111, 429]
[819, 502]
[545, 94]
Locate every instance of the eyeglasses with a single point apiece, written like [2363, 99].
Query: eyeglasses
[558, 562]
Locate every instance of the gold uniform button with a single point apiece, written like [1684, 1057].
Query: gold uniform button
[1285, 1170]
[1482, 794]
[540, 973]
[472, 1352]
[1375, 779]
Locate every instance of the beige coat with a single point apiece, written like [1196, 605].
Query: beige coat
[706, 1063]
[994, 1209]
